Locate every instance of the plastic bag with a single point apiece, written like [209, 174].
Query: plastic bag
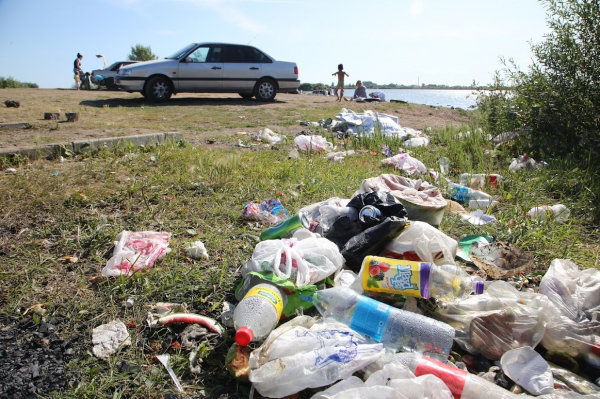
[196, 250]
[135, 251]
[268, 212]
[419, 241]
[528, 369]
[422, 201]
[314, 142]
[303, 261]
[295, 357]
[269, 136]
[574, 326]
[498, 320]
[406, 163]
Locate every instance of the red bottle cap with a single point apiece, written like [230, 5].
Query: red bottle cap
[244, 336]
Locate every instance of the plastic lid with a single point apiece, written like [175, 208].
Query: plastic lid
[478, 286]
[244, 336]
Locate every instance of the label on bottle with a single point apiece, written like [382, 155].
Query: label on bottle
[453, 377]
[396, 276]
[270, 295]
[370, 318]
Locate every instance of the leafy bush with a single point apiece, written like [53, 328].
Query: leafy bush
[10, 83]
[559, 96]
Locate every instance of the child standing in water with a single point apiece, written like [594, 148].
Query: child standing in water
[339, 89]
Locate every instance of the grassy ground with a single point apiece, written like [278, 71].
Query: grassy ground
[198, 192]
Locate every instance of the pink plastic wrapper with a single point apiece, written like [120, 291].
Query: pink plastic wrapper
[135, 251]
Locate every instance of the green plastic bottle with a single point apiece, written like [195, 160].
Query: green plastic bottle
[285, 228]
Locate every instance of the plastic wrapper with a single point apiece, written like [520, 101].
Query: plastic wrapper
[574, 325]
[302, 354]
[406, 163]
[302, 261]
[498, 320]
[528, 369]
[267, 212]
[422, 201]
[314, 142]
[269, 136]
[419, 241]
[136, 251]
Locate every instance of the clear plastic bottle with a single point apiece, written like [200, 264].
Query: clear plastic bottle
[462, 384]
[394, 328]
[328, 214]
[559, 213]
[258, 313]
[420, 279]
[465, 194]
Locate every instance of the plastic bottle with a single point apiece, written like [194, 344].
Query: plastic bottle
[258, 313]
[420, 279]
[328, 214]
[559, 212]
[462, 384]
[394, 328]
[285, 228]
[465, 194]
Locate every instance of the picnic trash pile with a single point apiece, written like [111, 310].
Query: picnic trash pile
[364, 297]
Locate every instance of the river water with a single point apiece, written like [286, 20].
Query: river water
[465, 99]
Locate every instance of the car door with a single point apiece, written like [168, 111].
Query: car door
[202, 70]
[241, 68]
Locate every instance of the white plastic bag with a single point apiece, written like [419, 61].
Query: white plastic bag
[269, 136]
[305, 261]
[196, 250]
[406, 163]
[314, 142]
[422, 242]
[528, 368]
[301, 358]
[135, 251]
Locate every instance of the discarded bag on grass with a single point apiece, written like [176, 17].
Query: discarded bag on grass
[302, 261]
[421, 242]
[406, 163]
[303, 354]
[500, 319]
[360, 238]
[574, 325]
[135, 251]
[422, 201]
[313, 142]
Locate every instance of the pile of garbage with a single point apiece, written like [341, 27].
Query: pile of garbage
[365, 297]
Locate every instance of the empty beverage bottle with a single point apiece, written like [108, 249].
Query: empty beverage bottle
[286, 228]
[464, 194]
[461, 383]
[396, 329]
[258, 313]
[419, 279]
[559, 212]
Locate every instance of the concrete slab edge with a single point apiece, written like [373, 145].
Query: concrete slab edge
[77, 147]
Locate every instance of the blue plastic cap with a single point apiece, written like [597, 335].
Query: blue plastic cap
[479, 285]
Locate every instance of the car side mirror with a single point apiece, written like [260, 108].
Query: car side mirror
[188, 59]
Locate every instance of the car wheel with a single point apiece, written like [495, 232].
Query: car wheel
[110, 84]
[246, 96]
[158, 89]
[265, 90]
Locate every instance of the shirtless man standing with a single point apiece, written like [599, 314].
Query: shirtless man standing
[339, 89]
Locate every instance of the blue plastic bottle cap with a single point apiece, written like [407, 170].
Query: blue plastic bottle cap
[479, 285]
[244, 336]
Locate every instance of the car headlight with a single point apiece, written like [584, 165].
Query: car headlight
[124, 72]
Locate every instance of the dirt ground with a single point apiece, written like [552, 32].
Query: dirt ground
[198, 116]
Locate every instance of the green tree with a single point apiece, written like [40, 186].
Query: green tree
[559, 95]
[141, 53]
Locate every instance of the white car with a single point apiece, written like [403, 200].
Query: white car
[211, 68]
[110, 72]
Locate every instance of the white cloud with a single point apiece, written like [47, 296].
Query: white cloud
[416, 8]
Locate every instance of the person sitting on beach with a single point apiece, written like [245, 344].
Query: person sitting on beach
[98, 80]
[340, 84]
[378, 95]
[360, 93]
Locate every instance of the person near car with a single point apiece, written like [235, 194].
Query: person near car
[77, 65]
[98, 80]
[77, 81]
[360, 93]
[340, 84]
[378, 95]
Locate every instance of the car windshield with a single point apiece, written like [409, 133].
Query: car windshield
[178, 54]
[114, 65]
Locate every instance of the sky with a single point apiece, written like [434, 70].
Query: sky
[450, 42]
